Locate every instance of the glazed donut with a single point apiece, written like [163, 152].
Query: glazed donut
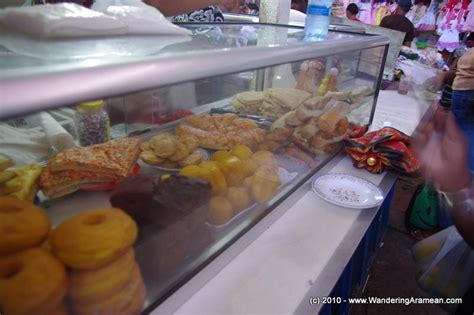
[22, 225]
[31, 281]
[97, 284]
[93, 238]
[128, 301]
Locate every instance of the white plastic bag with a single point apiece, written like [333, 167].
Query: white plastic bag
[62, 19]
[108, 17]
[139, 17]
[445, 264]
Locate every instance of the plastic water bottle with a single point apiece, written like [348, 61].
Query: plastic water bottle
[318, 17]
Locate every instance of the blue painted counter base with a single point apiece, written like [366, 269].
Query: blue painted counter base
[353, 279]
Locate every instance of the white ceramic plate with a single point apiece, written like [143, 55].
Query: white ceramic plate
[347, 191]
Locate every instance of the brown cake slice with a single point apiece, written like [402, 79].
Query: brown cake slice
[176, 199]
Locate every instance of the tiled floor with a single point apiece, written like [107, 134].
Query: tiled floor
[393, 271]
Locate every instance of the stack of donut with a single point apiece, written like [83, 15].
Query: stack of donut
[32, 280]
[104, 277]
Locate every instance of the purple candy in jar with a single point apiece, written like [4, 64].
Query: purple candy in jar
[92, 123]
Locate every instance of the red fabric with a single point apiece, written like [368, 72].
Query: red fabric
[382, 149]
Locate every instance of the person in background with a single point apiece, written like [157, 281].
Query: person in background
[399, 21]
[196, 10]
[351, 12]
[462, 98]
[299, 5]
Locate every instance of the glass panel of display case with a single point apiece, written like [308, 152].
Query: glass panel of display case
[194, 165]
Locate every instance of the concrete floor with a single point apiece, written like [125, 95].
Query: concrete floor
[393, 271]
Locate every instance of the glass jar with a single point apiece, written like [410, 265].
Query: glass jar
[404, 85]
[92, 123]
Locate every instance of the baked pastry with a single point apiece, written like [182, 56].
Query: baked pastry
[328, 121]
[338, 96]
[278, 101]
[89, 286]
[242, 152]
[247, 102]
[5, 163]
[361, 92]
[202, 121]
[115, 157]
[33, 281]
[6, 190]
[293, 119]
[310, 75]
[93, 238]
[23, 185]
[127, 301]
[317, 102]
[163, 145]
[304, 113]
[265, 183]
[191, 142]
[149, 157]
[180, 153]
[193, 159]
[265, 158]
[294, 152]
[285, 98]
[22, 225]
[212, 139]
[239, 197]
[58, 184]
[5, 176]
[123, 152]
[220, 211]
[221, 132]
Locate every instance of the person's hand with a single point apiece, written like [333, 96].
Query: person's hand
[442, 150]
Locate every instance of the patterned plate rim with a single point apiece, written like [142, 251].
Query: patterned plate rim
[317, 178]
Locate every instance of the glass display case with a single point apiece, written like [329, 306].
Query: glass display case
[208, 134]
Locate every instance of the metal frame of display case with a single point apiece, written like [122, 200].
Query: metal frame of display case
[86, 82]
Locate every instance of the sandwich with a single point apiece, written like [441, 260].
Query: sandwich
[247, 102]
[115, 158]
[58, 184]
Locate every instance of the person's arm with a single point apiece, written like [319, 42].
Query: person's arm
[173, 7]
[443, 77]
[442, 150]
